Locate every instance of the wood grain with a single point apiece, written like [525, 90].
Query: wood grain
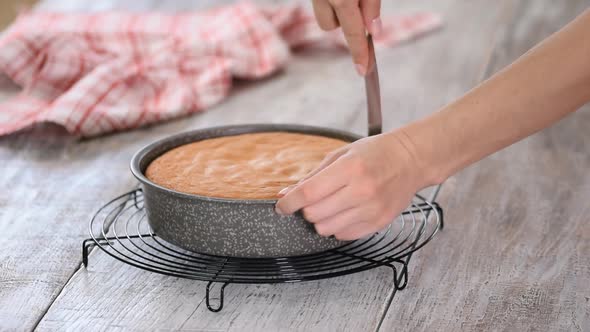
[514, 255]
[419, 77]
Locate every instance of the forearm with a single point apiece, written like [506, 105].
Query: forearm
[544, 85]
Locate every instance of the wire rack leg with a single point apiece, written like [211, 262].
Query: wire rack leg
[220, 299]
[135, 198]
[86, 245]
[400, 281]
[90, 243]
[441, 214]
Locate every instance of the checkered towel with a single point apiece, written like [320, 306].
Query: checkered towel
[103, 72]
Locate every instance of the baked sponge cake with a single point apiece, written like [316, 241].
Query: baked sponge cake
[247, 166]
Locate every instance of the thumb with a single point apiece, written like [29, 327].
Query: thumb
[329, 159]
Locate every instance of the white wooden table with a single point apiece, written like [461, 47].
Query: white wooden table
[514, 255]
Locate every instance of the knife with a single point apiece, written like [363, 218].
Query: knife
[373, 94]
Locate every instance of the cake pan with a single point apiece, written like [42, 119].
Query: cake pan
[223, 226]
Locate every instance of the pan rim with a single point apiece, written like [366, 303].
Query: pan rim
[221, 131]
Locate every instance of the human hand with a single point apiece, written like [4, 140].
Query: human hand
[358, 189]
[354, 16]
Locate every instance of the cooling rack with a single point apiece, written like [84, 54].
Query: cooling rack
[120, 229]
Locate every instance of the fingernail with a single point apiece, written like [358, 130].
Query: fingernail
[376, 27]
[361, 69]
[286, 190]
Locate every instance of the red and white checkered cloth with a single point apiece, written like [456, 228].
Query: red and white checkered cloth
[103, 72]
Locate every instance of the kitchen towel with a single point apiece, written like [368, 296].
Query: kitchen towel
[110, 71]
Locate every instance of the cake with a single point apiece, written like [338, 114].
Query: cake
[247, 166]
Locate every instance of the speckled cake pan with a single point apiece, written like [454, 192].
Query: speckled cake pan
[222, 226]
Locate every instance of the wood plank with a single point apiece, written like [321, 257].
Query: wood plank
[110, 295]
[514, 253]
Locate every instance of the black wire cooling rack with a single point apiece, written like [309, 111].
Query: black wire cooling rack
[121, 230]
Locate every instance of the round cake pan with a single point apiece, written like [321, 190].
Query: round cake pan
[222, 226]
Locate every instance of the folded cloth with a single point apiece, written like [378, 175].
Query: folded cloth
[109, 71]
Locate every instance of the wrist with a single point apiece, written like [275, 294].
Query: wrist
[422, 163]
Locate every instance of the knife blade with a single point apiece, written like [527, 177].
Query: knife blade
[373, 93]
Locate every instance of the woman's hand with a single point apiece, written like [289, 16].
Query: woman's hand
[355, 17]
[359, 189]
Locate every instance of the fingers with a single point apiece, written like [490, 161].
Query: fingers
[332, 205]
[371, 14]
[324, 183]
[340, 222]
[330, 158]
[356, 231]
[351, 20]
[354, 16]
[363, 228]
[344, 219]
[325, 15]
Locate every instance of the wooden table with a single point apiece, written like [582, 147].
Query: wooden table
[515, 253]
